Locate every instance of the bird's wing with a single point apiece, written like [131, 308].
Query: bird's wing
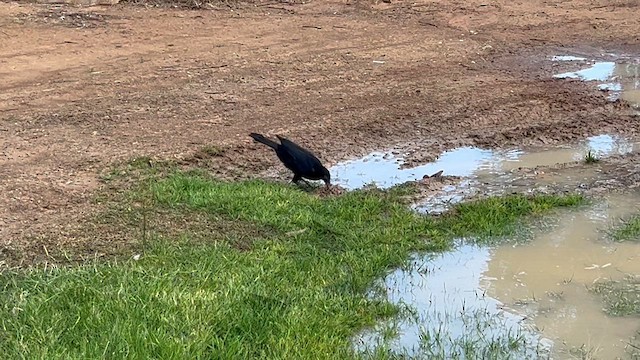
[295, 148]
[299, 160]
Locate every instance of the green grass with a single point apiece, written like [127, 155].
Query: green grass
[621, 298]
[628, 231]
[494, 218]
[298, 292]
[591, 157]
[474, 344]
[212, 150]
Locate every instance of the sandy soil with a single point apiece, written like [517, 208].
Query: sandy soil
[84, 88]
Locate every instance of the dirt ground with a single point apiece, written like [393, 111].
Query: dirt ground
[85, 88]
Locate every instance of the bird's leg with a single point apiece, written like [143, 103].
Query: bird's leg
[296, 179]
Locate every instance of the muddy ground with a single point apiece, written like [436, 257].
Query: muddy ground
[85, 88]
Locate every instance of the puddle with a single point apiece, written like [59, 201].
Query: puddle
[629, 79]
[547, 279]
[602, 145]
[534, 294]
[621, 79]
[493, 169]
[600, 71]
[383, 169]
[452, 311]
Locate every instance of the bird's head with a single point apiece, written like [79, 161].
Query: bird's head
[326, 177]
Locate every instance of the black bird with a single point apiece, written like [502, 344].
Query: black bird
[297, 159]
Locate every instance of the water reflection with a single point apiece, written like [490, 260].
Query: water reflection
[453, 315]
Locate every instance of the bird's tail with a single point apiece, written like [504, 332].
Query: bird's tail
[261, 139]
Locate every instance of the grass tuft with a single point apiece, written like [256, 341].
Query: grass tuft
[210, 151]
[299, 291]
[621, 298]
[495, 218]
[591, 157]
[628, 231]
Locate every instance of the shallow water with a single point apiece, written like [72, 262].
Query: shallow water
[536, 292]
[547, 280]
[622, 78]
[601, 145]
[383, 168]
[600, 71]
[629, 79]
[452, 309]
